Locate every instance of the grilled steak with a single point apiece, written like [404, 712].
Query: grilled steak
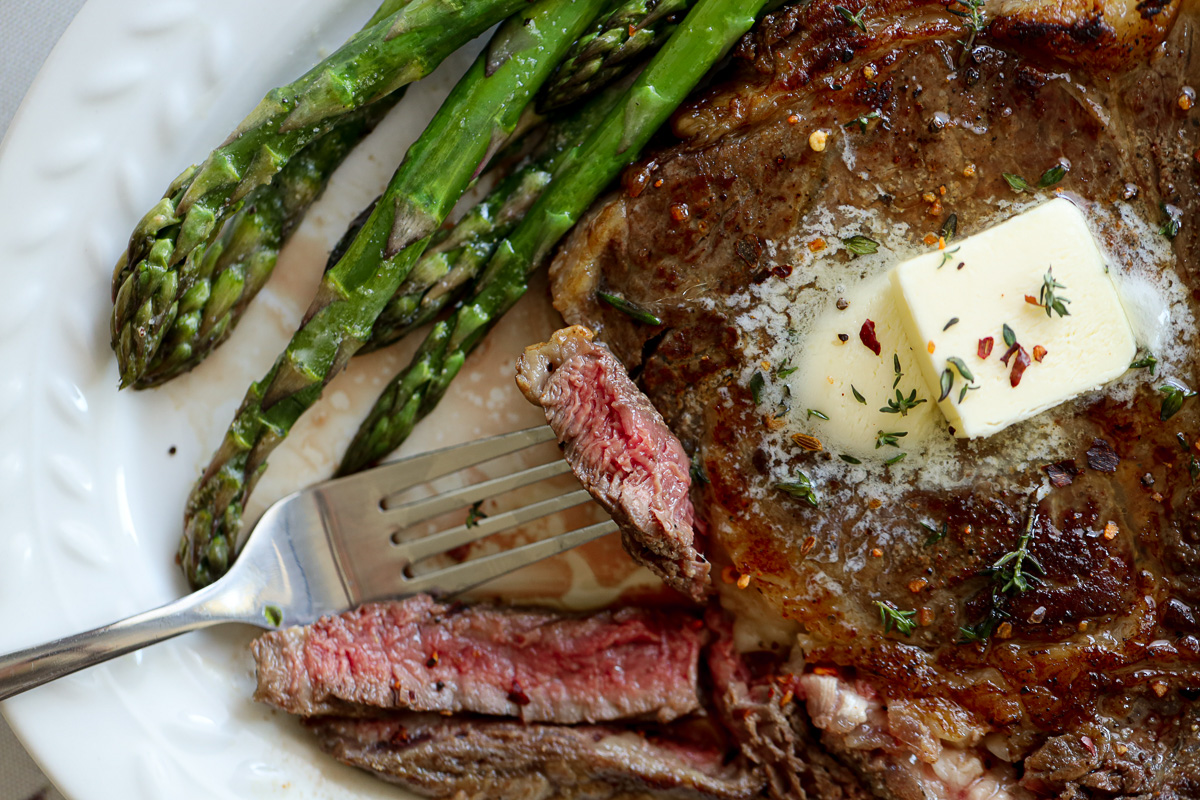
[542, 666]
[621, 450]
[1084, 683]
[504, 760]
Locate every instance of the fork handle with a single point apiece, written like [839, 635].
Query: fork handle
[34, 666]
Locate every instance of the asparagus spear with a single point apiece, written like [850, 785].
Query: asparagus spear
[702, 38]
[167, 247]
[238, 263]
[614, 45]
[449, 266]
[480, 113]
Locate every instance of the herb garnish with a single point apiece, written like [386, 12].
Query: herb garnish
[1173, 400]
[1172, 220]
[1010, 570]
[784, 370]
[858, 395]
[1048, 179]
[1052, 176]
[972, 15]
[801, 488]
[698, 472]
[474, 515]
[849, 459]
[274, 615]
[632, 309]
[953, 321]
[896, 368]
[935, 534]
[1016, 182]
[946, 256]
[901, 405]
[757, 383]
[862, 120]
[1010, 338]
[891, 439]
[949, 227]
[981, 631]
[1049, 298]
[896, 459]
[961, 366]
[947, 384]
[852, 19]
[812, 412]
[893, 617]
[861, 245]
[1144, 361]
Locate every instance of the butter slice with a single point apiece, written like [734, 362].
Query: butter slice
[1000, 266]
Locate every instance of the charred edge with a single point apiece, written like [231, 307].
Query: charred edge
[1149, 9]
[1083, 33]
[412, 224]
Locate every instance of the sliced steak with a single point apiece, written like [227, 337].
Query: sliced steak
[422, 655]
[741, 222]
[621, 450]
[474, 759]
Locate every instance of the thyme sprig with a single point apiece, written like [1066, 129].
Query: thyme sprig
[862, 121]
[896, 368]
[895, 618]
[1173, 398]
[1011, 571]
[946, 256]
[801, 488]
[1049, 298]
[851, 18]
[883, 439]
[902, 405]
[971, 12]
[935, 534]
[1146, 361]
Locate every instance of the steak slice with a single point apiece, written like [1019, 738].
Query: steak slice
[621, 450]
[470, 759]
[736, 231]
[541, 666]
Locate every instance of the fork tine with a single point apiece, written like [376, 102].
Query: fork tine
[396, 476]
[417, 510]
[434, 544]
[469, 574]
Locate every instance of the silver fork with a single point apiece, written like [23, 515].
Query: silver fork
[331, 547]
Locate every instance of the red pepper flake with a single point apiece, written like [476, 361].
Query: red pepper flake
[1033, 301]
[867, 335]
[793, 119]
[658, 183]
[632, 30]
[985, 346]
[1019, 364]
[517, 694]
[679, 212]
[1039, 353]
[1010, 353]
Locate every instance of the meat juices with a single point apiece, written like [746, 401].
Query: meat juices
[621, 450]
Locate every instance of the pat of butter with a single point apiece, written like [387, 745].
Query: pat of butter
[999, 267]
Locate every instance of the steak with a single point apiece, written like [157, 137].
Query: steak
[504, 760]
[1082, 683]
[621, 450]
[541, 666]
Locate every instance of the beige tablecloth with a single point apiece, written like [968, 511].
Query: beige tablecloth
[28, 30]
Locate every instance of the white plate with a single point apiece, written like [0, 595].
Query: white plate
[92, 481]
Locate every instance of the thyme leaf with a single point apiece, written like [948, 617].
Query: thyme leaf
[1145, 361]
[861, 245]
[935, 534]
[757, 383]
[812, 412]
[1174, 395]
[858, 395]
[628, 307]
[1016, 182]
[849, 459]
[1053, 175]
[862, 121]
[474, 515]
